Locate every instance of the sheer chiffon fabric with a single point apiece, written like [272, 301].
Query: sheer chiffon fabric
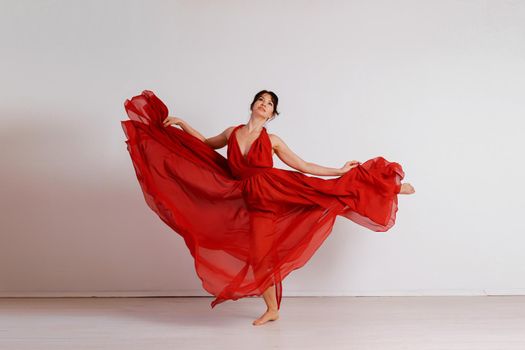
[247, 224]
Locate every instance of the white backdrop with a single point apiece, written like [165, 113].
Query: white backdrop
[434, 85]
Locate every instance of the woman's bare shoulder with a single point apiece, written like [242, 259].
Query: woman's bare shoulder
[275, 139]
[228, 131]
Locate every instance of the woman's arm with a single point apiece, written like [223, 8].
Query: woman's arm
[187, 127]
[215, 142]
[293, 160]
[220, 140]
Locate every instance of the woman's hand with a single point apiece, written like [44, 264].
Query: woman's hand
[349, 165]
[172, 121]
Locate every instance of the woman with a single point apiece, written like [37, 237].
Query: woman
[246, 223]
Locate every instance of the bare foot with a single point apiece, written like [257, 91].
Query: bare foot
[269, 315]
[407, 188]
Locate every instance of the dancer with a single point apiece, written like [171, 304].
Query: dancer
[246, 223]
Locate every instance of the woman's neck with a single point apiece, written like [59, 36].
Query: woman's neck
[255, 124]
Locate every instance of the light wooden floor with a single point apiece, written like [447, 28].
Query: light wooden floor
[454, 322]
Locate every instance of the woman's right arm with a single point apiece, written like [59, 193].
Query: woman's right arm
[220, 140]
[215, 142]
[184, 126]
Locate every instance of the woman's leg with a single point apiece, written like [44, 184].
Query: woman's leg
[262, 237]
[270, 298]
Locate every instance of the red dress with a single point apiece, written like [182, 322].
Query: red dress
[246, 223]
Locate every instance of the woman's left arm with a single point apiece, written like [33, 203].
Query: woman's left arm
[293, 160]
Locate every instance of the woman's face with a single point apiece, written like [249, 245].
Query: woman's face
[263, 106]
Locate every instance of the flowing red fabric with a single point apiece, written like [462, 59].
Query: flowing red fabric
[247, 224]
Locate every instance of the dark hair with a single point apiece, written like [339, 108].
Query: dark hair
[274, 97]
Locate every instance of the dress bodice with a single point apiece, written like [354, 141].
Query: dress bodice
[258, 158]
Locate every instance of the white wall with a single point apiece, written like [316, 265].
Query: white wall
[434, 85]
